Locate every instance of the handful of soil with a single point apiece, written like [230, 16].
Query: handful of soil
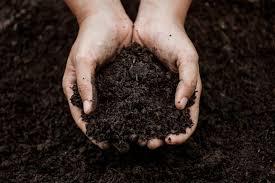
[135, 96]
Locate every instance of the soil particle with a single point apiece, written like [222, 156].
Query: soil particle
[136, 97]
[239, 124]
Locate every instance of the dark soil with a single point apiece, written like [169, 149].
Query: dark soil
[234, 142]
[135, 97]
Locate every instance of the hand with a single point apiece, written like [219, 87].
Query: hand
[103, 30]
[166, 37]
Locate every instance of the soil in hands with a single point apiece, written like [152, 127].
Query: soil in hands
[234, 139]
[135, 97]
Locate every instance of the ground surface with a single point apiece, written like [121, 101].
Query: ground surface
[39, 141]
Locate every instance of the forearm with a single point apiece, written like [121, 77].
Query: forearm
[175, 9]
[84, 8]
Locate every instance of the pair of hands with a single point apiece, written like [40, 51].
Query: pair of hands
[104, 29]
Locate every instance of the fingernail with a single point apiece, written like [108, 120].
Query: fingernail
[87, 105]
[142, 142]
[169, 140]
[183, 102]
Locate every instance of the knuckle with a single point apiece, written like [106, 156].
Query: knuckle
[83, 88]
[189, 57]
[200, 85]
[190, 85]
[65, 85]
[194, 55]
[193, 84]
[172, 67]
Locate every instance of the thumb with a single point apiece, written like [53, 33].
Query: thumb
[85, 75]
[188, 72]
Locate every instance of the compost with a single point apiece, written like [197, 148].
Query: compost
[234, 139]
[135, 98]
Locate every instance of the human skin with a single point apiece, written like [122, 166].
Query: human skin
[160, 27]
[104, 28]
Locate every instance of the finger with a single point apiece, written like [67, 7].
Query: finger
[188, 72]
[102, 145]
[173, 139]
[194, 113]
[154, 143]
[69, 79]
[68, 82]
[76, 113]
[85, 75]
[142, 142]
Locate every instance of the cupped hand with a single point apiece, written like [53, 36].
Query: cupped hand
[167, 38]
[100, 36]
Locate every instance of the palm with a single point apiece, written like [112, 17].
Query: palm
[175, 50]
[97, 41]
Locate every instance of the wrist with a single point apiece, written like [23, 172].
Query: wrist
[85, 8]
[175, 10]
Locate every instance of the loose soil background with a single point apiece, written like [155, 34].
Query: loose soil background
[39, 141]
